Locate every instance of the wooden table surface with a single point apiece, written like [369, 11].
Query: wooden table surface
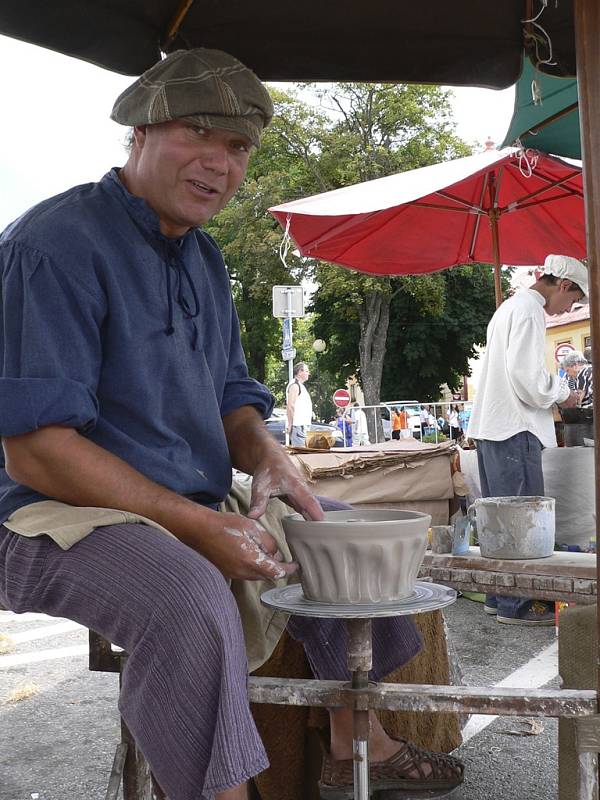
[562, 576]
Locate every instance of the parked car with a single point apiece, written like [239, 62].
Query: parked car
[276, 426]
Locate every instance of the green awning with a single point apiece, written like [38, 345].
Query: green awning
[552, 126]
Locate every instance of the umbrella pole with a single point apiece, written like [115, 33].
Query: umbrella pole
[496, 249]
[587, 33]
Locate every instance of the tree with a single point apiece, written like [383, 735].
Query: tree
[250, 238]
[360, 131]
[379, 130]
[432, 334]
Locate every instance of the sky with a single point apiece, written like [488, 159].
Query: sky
[55, 130]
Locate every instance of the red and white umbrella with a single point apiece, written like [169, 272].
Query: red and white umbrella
[498, 207]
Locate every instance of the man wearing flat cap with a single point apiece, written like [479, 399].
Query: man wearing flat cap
[124, 403]
[512, 418]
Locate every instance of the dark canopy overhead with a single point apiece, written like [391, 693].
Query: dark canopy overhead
[463, 42]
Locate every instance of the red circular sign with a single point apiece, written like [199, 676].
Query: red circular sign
[563, 350]
[341, 398]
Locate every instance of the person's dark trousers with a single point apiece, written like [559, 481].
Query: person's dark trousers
[395, 434]
[511, 468]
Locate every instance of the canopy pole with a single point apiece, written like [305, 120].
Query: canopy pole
[587, 35]
[493, 216]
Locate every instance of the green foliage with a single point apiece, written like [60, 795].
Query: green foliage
[322, 382]
[349, 133]
[436, 321]
[430, 438]
[427, 347]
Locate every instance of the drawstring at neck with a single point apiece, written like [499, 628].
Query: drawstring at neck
[170, 255]
[173, 260]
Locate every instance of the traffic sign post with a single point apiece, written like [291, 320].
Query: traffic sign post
[341, 398]
[562, 350]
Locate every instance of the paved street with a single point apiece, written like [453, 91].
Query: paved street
[59, 741]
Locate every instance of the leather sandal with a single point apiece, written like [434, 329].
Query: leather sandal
[445, 773]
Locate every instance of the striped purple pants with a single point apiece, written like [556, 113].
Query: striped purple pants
[184, 694]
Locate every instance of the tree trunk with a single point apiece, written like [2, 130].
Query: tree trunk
[254, 341]
[374, 316]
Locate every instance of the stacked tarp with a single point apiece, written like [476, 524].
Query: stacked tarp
[402, 474]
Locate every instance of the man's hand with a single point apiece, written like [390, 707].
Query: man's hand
[571, 401]
[254, 451]
[240, 548]
[276, 476]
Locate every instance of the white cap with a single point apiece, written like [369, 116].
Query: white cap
[568, 268]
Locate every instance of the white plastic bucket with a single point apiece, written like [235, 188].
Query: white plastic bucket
[515, 527]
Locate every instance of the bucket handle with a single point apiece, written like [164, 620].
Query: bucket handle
[472, 511]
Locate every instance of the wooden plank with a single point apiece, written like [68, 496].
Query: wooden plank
[543, 587]
[425, 697]
[560, 564]
[563, 576]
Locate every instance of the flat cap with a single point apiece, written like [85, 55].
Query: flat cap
[205, 87]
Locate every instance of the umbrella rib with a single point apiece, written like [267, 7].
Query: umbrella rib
[472, 208]
[475, 234]
[175, 24]
[552, 184]
[538, 202]
[466, 210]
[306, 248]
[549, 120]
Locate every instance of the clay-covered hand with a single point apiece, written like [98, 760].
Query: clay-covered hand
[241, 548]
[571, 401]
[276, 476]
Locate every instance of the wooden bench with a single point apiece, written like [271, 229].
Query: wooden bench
[562, 576]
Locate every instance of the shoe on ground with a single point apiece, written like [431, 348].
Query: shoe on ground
[538, 613]
[446, 772]
[491, 605]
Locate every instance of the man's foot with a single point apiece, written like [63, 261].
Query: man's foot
[410, 768]
[537, 613]
[491, 604]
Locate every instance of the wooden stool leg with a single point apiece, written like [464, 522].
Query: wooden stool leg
[116, 775]
[137, 780]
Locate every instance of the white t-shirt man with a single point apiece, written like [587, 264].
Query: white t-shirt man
[299, 406]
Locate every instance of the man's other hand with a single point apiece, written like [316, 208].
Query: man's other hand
[241, 548]
[276, 476]
[571, 402]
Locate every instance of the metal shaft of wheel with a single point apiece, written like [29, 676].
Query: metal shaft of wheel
[360, 657]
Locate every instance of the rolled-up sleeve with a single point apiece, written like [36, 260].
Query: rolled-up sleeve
[241, 390]
[51, 344]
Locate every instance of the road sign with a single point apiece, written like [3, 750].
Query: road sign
[341, 398]
[563, 350]
[288, 301]
[288, 354]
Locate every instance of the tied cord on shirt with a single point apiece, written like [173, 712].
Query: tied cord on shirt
[170, 255]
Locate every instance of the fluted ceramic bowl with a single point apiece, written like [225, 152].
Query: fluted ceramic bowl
[358, 556]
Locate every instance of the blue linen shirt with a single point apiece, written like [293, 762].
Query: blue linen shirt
[130, 337]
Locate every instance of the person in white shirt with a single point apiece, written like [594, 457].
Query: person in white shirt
[299, 406]
[360, 429]
[512, 417]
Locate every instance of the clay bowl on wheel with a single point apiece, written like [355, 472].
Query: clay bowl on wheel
[358, 556]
